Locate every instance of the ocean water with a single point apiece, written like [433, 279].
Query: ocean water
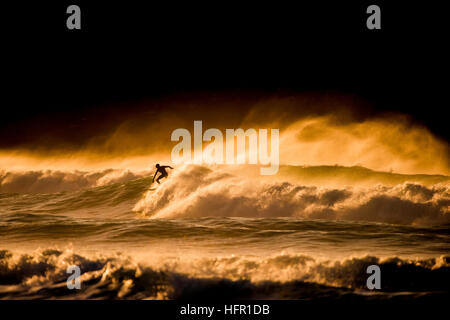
[211, 233]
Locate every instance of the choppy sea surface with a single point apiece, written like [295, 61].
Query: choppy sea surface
[211, 234]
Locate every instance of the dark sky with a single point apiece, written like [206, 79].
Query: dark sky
[62, 85]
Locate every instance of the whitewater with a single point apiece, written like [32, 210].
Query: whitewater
[306, 233]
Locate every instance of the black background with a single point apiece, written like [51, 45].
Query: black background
[287, 309]
[128, 51]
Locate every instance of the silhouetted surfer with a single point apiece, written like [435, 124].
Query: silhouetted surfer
[162, 170]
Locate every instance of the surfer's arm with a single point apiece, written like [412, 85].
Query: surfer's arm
[154, 176]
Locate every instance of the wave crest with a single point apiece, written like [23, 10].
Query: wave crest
[48, 181]
[197, 191]
[43, 275]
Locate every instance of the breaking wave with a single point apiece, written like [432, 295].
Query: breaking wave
[198, 191]
[330, 193]
[43, 275]
[49, 181]
[223, 258]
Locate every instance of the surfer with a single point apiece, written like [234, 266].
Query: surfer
[162, 170]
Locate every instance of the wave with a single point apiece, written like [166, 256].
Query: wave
[201, 191]
[49, 181]
[43, 275]
[198, 191]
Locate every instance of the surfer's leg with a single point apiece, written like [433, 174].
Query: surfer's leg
[161, 177]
